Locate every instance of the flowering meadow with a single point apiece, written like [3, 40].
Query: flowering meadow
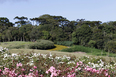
[48, 65]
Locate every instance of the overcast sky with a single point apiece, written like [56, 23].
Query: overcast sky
[92, 10]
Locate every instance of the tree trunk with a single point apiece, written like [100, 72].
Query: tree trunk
[23, 38]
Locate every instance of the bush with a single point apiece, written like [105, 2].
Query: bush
[65, 43]
[42, 44]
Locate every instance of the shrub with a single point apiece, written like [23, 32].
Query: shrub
[65, 43]
[42, 44]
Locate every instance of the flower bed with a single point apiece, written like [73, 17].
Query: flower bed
[48, 65]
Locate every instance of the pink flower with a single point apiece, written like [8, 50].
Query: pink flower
[5, 71]
[106, 74]
[77, 64]
[79, 68]
[80, 62]
[31, 75]
[89, 69]
[23, 69]
[41, 75]
[31, 70]
[0, 70]
[20, 76]
[72, 75]
[34, 67]
[94, 70]
[53, 71]
[19, 64]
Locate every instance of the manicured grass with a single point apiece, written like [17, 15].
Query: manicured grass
[58, 53]
[15, 44]
[45, 52]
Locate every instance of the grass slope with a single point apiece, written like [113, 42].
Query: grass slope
[59, 50]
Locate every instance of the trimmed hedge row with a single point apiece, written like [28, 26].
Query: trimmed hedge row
[42, 44]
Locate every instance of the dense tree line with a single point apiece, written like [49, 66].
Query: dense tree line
[57, 28]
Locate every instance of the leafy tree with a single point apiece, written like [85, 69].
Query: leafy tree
[21, 20]
[82, 35]
[56, 34]
[110, 46]
[4, 24]
[35, 34]
[100, 43]
[24, 31]
[46, 35]
[97, 34]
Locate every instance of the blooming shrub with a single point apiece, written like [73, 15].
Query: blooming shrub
[48, 65]
[3, 49]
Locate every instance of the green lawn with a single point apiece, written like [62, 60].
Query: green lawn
[83, 51]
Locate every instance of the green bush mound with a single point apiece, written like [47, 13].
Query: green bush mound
[65, 43]
[42, 44]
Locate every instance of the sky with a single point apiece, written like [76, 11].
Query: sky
[90, 10]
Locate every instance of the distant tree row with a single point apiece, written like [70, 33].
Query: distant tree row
[57, 28]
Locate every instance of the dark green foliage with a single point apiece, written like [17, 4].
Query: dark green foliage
[99, 43]
[65, 43]
[110, 46]
[108, 29]
[82, 35]
[97, 34]
[92, 43]
[42, 44]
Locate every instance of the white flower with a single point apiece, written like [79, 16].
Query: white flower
[68, 58]
[57, 58]
[14, 54]
[50, 54]
[89, 62]
[5, 55]
[61, 62]
[71, 62]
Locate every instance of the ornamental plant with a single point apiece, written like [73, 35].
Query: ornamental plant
[3, 49]
[48, 65]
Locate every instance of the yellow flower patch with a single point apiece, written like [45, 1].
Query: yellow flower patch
[58, 47]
